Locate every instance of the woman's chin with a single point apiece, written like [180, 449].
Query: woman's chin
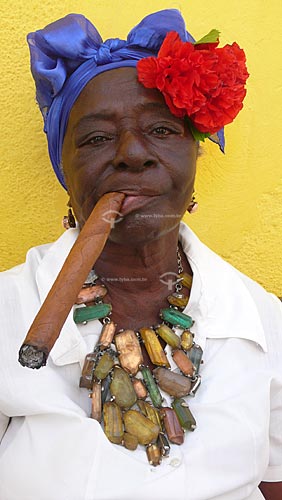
[135, 230]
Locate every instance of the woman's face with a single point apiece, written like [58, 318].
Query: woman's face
[122, 137]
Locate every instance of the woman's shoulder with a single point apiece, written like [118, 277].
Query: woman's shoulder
[269, 306]
[29, 283]
[49, 253]
[225, 287]
[11, 277]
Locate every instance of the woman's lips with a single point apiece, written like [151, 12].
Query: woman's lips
[132, 202]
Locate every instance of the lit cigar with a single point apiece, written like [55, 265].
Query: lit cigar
[49, 321]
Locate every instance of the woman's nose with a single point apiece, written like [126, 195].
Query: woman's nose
[132, 152]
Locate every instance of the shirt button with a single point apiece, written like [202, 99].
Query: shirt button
[175, 462]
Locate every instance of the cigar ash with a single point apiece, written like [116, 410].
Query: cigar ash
[32, 357]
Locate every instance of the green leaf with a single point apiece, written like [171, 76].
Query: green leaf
[211, 37]
[198, 136]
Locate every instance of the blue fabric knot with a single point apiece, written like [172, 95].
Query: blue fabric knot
[106, 53]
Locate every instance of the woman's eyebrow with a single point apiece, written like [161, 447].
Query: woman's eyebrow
[153, 106]
[105, 115]
[92, 117]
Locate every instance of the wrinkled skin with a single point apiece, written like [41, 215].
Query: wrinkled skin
[122, 137]
[134, 144]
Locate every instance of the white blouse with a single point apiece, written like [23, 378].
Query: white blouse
[51, 450]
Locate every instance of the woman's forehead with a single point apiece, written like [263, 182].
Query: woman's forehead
[116, 89]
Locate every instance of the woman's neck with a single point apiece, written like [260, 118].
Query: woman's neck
[139, 279]
[136, 269]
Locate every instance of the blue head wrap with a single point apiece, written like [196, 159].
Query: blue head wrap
[68, 53]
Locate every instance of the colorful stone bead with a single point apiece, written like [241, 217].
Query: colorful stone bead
[168, 335]
[122, 389]
[172, 426]
[91, 293]
[96, 412]
[184, 414]
[130, 442]
[140, 389]
[104, 366]
[113, 425]
[186, 280]
[163, 444]
[173, 383]
[178, 300]
[176, 318]
[187, 339]
[154, 454]
[130, 354]
[184, 364]
[195, 354]
[135, 423]
[153, 347]
[107, 335]
[105, 388]
[150, 412]
[86, 379]
[152, 387]
[82, 314]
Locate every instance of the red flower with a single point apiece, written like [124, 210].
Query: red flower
[201, 81]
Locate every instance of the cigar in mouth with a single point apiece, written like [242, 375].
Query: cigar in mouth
[52, 315]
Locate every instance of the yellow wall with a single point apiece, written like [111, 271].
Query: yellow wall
[240, 194]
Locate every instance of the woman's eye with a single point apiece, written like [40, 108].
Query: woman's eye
[95, 140]
[162, 131]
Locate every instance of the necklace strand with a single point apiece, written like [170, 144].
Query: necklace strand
[125, 393]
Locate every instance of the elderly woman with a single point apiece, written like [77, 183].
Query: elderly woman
[125, 118]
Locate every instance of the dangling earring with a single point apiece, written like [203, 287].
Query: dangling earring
[69, 220]
[193, 205]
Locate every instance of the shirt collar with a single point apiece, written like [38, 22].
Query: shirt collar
[218, 297]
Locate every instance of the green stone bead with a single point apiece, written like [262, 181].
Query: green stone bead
[122, 389]
[88, 313]
[168, 335]
[184, 415]
[104, 366]
[152, 387]
[195, 354]
[176, 318]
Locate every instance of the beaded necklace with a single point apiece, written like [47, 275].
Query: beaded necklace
[125, 393]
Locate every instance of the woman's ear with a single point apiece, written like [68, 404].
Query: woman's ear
[69, 220]
[193, 205]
